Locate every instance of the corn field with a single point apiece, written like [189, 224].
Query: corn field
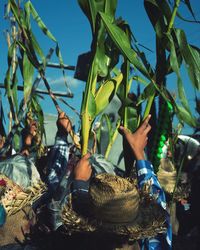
[111, 68]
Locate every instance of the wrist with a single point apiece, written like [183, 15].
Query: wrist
[61, 133]
[139, 155]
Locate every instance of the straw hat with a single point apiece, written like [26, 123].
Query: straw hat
[117, 207]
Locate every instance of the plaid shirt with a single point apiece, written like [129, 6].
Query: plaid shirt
[58, 168]
[57, 163]
[146, 174]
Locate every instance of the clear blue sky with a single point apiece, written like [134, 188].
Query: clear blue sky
[71, 28]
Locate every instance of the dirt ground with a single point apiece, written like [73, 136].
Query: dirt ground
[58, 241]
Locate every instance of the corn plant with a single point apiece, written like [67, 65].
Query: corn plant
[116, 63]
[172, 50]
[26, 55]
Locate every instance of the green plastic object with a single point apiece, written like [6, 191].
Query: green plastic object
[163, 138]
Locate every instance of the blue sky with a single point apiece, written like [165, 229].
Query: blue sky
[71, 28]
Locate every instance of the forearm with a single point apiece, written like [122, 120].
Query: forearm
[80, 196]
[146, 176]
[57, 163]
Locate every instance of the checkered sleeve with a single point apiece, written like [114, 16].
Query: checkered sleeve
[57, 162]
[146, 175]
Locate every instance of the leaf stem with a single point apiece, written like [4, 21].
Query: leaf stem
[113, 138]
[148, 106]
[171, 23]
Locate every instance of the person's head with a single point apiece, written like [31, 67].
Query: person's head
[116, 206]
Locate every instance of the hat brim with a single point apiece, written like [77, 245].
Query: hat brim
[150, 221]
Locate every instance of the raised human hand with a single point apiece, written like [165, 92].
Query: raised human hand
[63, 123]
[83, 170]
[138, 139]
[29, 133]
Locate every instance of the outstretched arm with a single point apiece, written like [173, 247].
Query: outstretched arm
[138, 139]
[59, 154]
[145, 172]
[82, 173]
[146, 175]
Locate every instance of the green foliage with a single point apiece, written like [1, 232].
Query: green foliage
[108, 76]
[105, 93]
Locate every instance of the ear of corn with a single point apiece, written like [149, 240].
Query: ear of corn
[106, 92]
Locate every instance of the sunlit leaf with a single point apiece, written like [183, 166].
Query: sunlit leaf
[191, 57]
[39, 21]
[91, 106]
[91, 8]
[186, 117]
[105, 93]
[175, 66]
[28, 71]
[122, 42]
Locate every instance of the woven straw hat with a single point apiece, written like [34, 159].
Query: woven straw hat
[117, 207]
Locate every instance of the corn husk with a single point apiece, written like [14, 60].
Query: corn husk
[15, 198]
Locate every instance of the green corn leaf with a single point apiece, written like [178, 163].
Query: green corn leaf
[132, 118]
[91, 8]
[175, 66]
[16, 140]
[91, 106]
[184, 116]
[39, 21]
[186, 20]
[28, 72]
[30, 54]
[105, 93]
[7, 81]
[59, 55]
[14, 90]
[27, 15]
[149, 90]
[106, 126]
[18, 14]
[165, 10]
[156, 16]
[34, 46]
[187, 2]
[38, 112]
[104, 133]
[102, 61]
[191, 57]
[122, 42]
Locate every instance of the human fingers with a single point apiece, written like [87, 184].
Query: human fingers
[145, 123]
[61, 115]
[86, 156]
[124, 130]
[68, 126]
[147, 129]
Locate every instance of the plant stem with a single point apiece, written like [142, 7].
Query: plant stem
[148, 106]
[113, 138]
[86, 120]
[126, 90]
[171, 23]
